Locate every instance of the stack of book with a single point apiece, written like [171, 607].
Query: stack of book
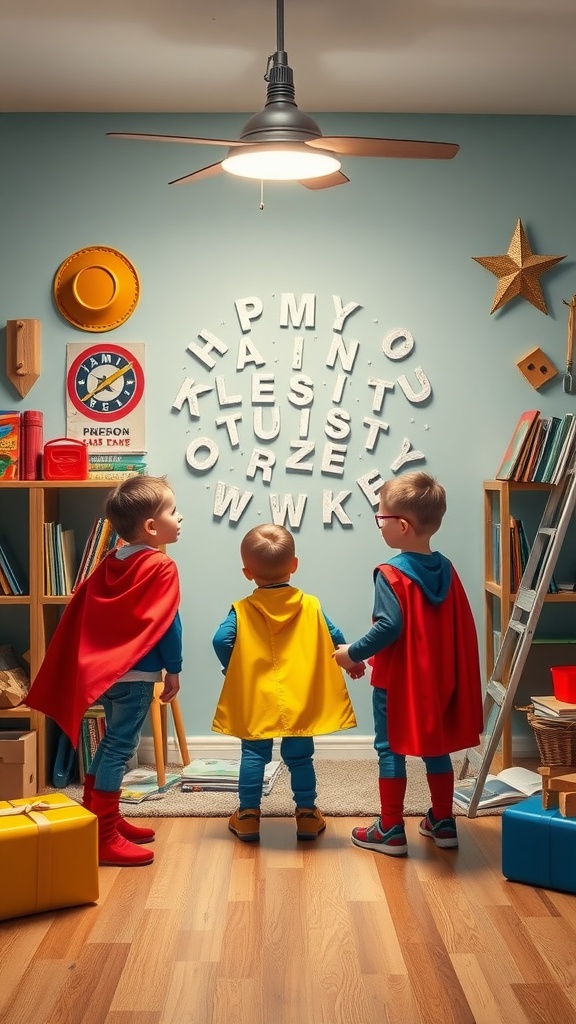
[551, 708]
[519, 555]
[103, 538]
[540, 449]
[92, 730]
[142, 784]
[116, 467]
[221, 774]
[59, 560]
[12, 577]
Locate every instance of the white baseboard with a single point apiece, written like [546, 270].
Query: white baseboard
[328, 748]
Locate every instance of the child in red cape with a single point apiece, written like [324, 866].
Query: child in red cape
[427, 696]
[119, 631]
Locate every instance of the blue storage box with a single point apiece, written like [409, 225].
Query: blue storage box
[539, 846]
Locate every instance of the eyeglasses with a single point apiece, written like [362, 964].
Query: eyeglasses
[380, 520]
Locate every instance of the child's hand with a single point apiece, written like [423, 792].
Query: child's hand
[340, 655]
[358, 671]
[171, 687]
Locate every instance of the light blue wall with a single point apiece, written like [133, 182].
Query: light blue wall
[398, 240]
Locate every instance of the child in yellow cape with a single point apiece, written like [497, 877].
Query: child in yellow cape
[281, 680]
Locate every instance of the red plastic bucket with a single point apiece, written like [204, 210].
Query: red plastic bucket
[564, 683]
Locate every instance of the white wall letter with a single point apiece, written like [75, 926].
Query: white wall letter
[401, 350]
[273, 430]
[338, 348]
[262, 389]
[247, 310]
[290, 312]
[287, 507]
[230, 422]
[230, 496]
[414, 396]
[342, 312]
[261, 459]
[301, 391]
[375, 427]
[248, 353]
[370, 484]
[380, 387]
[223, 398]
[332, 506]
[333, 458]
[188, 393]
[407, 454]
[337, 424]
[210, 460]
[201, 351]
[301, 450]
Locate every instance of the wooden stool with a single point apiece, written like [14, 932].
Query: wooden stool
[159, 719]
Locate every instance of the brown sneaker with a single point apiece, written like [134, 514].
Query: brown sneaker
[309, 823]
[246, 824]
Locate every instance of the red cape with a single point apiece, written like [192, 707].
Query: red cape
[114, 618]
[431, 672]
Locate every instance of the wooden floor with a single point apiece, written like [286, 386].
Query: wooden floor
[220, 932]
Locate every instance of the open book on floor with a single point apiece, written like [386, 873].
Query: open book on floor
[221, 774]
[508, 787]
[142, 784]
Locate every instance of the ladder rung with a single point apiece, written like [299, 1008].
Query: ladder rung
[518, 627]
[548, 531]
[495, 689]
[525, 599]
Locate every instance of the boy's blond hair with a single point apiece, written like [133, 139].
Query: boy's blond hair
[267, 551]
[417, 497]
[134, 501]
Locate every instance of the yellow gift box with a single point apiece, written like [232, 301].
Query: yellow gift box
[48, 855]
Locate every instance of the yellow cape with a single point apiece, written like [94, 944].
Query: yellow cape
[282, 679]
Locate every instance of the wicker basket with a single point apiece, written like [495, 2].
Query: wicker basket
[556, 740]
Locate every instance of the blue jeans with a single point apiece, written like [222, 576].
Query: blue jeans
[125, 708]
[295, 751]
[391, 765]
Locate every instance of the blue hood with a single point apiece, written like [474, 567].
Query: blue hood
[432, 573]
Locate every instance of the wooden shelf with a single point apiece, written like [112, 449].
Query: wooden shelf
[42, 499]
[499, 597]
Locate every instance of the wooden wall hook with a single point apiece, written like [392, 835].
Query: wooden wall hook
[23, 354]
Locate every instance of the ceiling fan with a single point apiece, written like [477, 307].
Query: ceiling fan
[283, 143]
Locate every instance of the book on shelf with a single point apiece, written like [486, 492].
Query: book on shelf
[508, 787]
[126, 460]
[142, 784]
[10, 444]
[551, 707]
[566, 453]
[114, 475]
[213, 774]
[12, 574]
[551, 427]
[102, 539]
[520, 439]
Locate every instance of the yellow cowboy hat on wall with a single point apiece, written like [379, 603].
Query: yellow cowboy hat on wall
[96, 288]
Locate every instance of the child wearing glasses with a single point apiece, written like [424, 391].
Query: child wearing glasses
[423, 648]
[276, 648]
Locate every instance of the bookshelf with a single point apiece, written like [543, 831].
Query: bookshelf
[29, 620]
[500, 497]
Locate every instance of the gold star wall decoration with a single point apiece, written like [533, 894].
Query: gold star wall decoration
[518, 271]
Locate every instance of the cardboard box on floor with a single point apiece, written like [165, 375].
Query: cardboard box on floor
[17, 764]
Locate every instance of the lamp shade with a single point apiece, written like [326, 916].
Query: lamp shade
[280, 161]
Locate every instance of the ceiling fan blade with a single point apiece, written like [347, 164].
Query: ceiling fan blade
[326, 182]
[174, 138]
[204, 172]
[347, 145]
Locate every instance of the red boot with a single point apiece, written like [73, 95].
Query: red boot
[133, 833]
[113, 848]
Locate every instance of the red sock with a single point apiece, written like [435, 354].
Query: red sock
[392, 792]
[442, 794]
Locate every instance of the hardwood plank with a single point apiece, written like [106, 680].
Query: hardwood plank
[485, 1004]
[189, 994]
[147, 971]
[544, 1003]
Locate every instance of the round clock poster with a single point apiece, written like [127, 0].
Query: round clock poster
[105, 396]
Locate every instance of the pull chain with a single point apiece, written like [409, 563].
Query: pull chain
[261, 195]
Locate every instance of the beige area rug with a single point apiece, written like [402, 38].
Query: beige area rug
[346, 788]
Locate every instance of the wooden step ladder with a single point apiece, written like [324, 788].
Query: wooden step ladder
[518, 635]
